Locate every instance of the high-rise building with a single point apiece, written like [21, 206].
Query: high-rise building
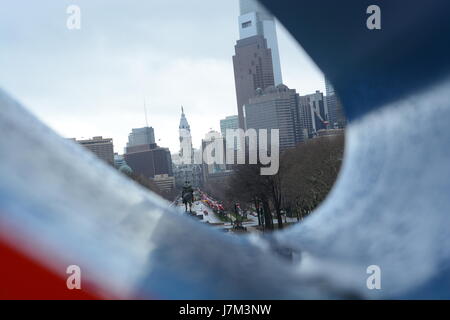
[140, 136]
[102, 147]
[313, 113]
[335, 109]
[276, 108]
[149, 160]
[230, 122]
[144, 156]
[256, 61]
[213, 148]
[253, 69]
[255, 20]
[305, 119]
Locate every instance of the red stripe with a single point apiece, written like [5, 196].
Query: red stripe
[23, 278]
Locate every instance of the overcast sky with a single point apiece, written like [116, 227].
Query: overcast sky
[93, 81]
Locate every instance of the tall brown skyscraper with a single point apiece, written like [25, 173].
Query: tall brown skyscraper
[253, 69]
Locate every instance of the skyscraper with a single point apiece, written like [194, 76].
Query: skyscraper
[216, 142]
[256, 61]
[149, 160]
[337, 116]
[144, 156]
[140, 136]
[252, 70]
[313, 112]
[276, 108]
[230, 122]
[255, 20]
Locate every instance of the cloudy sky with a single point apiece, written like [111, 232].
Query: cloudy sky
[93, 81]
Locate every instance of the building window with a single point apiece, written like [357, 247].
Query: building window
[246, 24]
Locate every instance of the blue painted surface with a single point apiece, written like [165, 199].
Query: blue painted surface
[390, 206]
[370, 68]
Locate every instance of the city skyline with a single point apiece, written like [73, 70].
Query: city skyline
[94, 81]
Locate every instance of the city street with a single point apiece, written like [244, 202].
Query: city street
[198, 207]
[212, 218]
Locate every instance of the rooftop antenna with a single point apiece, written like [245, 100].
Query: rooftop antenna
[145, 111]
[147, 131]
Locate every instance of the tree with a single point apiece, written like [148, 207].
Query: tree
[305, 177]
[310, 171]
[247, 186]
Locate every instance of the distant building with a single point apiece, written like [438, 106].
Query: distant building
[215, 143]
[164, 182]
[185, 137]
[254, 20]
[256, 61]
[118, 160]
[184, 168]
[313, 113]
[335, 108]
[101, 147]
[140, 136]
[252, 70]
[230, 122]
[276, 108]
[144, 156]
[149, 160]
[176, 159]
